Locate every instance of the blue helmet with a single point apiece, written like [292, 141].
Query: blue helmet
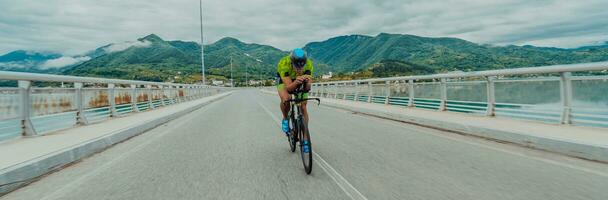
[298, 58]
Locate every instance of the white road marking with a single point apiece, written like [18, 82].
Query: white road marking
[57, 194]
[348, 188]
[478, 144]
[548, 161]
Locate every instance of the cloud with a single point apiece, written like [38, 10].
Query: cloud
[63, 62]
[126, 45]
[74, 26]
[17, 65]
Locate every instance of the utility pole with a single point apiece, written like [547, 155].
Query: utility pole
[231, 79]
[202, 49]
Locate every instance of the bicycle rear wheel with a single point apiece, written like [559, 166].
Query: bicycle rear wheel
[306, 157]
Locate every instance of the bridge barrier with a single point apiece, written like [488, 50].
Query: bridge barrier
[44, 103]
[566, 94]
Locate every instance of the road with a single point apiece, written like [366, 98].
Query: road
[233, 149]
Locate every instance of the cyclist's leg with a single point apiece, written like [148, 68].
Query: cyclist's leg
[303, 106]
[305, 111]
[284, 95]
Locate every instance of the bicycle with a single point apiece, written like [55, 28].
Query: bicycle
[299, 127]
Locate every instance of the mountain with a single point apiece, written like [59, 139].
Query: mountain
[27, 61]
[358, 52]
[149, 58]
[255, 59]
[25, 55]
[154, 59]
[45, 62]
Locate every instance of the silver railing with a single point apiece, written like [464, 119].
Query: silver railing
[549, 93]
[65, 101]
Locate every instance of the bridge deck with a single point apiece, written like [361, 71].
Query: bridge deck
[233, 149]
[579, 141]
[25, 159]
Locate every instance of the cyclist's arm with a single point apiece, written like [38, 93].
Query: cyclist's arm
[290, 86]
[308, 85]
[308, 78]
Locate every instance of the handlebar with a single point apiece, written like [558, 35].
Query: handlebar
[306, 99]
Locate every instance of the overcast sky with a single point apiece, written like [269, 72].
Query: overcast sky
[75, 26]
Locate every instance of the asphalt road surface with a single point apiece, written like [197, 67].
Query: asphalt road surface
[234, 149]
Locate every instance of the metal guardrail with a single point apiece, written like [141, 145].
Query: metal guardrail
[26, 110]
[548, 93]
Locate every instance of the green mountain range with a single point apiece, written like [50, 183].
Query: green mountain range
[26, 61]
[155, 62]
[153, 59]
[179, 61]
[357, 52]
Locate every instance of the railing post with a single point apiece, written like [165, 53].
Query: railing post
[490, 110]
[134, 99]
[180, 98]
[204, 92]
[335, 90]
[410, 102]
[189, 93]
[344, 96]
[370, 92]
[112, 100]
[162, 95]
[149, 92]
[80, 115]
[388, 92]
[356, 97]
[566, 97]
[443, 104]
[177, 97]
[25, 88]
[199, 92]
[321, 88]
[172, 94]
[192, 94]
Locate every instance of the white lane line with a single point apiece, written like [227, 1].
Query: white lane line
[480, 144]
[348, 188]
[74, 184]
[474, 143]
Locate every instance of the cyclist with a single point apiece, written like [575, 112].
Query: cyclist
[293, 71]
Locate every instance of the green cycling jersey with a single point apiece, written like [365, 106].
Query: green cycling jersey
[285, 69]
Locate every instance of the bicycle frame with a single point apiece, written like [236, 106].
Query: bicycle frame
[299, 127]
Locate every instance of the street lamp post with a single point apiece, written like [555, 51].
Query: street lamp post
[202, 50]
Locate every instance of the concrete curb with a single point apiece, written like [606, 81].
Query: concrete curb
[569, 148]
[20, 175]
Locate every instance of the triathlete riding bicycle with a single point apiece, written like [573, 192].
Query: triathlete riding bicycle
[293, 71]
